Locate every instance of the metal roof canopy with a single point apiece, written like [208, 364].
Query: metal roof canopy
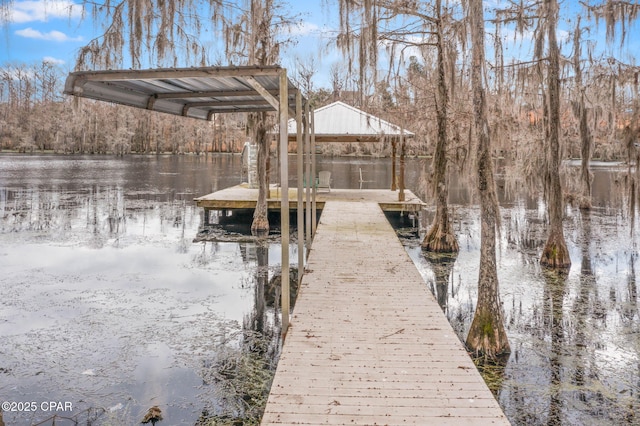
[339, 122]
[202, 92]
[189, 92]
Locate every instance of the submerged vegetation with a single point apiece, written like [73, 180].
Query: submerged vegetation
[242, 377]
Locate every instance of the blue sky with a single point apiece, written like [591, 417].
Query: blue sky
[54, 30]
[40, 30]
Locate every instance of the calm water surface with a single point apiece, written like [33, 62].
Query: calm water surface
[110, 300]
[106, 300]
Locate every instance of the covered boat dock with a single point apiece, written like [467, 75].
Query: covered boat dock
[368, 342]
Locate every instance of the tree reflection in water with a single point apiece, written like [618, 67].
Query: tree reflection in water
[242, 371]
[554, 290]
[581, 307]
[575, 337]
[442, 266]
[115, 257]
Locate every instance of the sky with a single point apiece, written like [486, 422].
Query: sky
[55, 30]
[43, 30]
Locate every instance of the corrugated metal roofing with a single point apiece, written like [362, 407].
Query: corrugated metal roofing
[190, 92]
[338, 122]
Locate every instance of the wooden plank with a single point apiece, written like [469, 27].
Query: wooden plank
[368, 343]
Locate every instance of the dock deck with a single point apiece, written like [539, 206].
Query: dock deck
[242, 197]
[368, 343]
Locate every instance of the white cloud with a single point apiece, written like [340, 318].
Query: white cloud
[303, 28]
[43, 10]
[50, 36]
[53, 61]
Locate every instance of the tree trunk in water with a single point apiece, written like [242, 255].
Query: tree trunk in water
[585, 136]
[630, 138]
[555, 253]
[487, 336]
[585, 133]
[260, 225]
[440, 238]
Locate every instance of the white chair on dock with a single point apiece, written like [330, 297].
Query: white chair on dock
[324, 181]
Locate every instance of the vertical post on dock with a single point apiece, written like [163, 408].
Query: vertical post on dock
[402, 165]
[284, 197]
[300, 216]
[313, 171]
[311, 175]
[394, 148]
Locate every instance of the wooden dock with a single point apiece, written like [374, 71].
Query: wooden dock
[242, 197]
[368, 343]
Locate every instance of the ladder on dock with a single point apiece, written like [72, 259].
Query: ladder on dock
[368, 343]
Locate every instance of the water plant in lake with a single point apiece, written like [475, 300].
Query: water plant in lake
[242, 377]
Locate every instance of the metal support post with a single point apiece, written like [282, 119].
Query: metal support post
[313, 171]
[311, 176]
[284, 198]
[300, 172]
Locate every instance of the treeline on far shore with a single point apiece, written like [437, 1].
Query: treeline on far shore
[36, 117]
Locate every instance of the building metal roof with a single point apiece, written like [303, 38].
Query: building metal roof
[339, 122]
[189, 92]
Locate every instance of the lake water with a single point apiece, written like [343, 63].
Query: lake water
[110, 300]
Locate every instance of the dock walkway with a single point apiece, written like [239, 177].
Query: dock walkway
[368, 343]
